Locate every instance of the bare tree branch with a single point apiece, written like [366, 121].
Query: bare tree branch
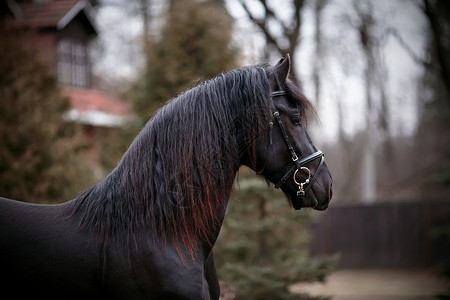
[262, 24]
[289, 31]
[394, 32]
[436, 29]
[318, 57]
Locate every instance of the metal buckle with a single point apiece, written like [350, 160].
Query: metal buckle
[301, 190]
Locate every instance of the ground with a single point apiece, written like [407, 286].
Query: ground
[378, 285]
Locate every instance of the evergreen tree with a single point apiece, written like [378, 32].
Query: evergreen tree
[263, 245]
[195, 45]
[39, 153]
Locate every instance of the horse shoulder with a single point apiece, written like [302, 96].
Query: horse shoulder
[157, 271]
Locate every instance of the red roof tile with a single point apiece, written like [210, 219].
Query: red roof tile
[97, 100]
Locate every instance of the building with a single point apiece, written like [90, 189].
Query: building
[62, 31]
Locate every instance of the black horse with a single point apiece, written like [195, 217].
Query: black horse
[148, 229]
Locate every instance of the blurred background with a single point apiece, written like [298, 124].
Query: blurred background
[79, 78]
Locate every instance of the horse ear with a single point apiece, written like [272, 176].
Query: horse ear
[279, 62]
[282, 68]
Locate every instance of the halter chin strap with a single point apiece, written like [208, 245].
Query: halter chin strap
[299, 165]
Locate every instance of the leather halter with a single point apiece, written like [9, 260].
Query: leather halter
[299, 165]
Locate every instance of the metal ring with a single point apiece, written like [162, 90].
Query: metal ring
[307, 180]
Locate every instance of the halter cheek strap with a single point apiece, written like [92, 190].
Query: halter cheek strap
[299, 165]
[276, 114]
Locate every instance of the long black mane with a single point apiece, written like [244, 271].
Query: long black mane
[177, 173]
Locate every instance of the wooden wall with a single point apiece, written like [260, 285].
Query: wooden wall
[383, 235]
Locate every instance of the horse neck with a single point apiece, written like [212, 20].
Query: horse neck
[166, 184]
[153, 186]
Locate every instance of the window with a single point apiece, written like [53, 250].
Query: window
[73, 67]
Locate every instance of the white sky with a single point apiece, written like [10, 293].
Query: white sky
[342, 77]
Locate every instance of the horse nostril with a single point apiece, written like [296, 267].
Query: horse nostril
[330, 192]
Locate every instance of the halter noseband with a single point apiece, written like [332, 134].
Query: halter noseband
[299, 165]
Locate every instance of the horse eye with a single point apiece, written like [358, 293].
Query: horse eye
[295, 120]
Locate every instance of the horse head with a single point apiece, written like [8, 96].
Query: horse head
[290, 160]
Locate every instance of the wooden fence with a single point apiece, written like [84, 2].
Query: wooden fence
[383, 235]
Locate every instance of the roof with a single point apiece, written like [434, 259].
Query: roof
[95, 107]
[51, 14]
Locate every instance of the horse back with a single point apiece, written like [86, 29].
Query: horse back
[43, 253]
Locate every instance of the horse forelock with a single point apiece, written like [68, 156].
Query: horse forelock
[295, 94]
[301, 101]
[175, 177]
